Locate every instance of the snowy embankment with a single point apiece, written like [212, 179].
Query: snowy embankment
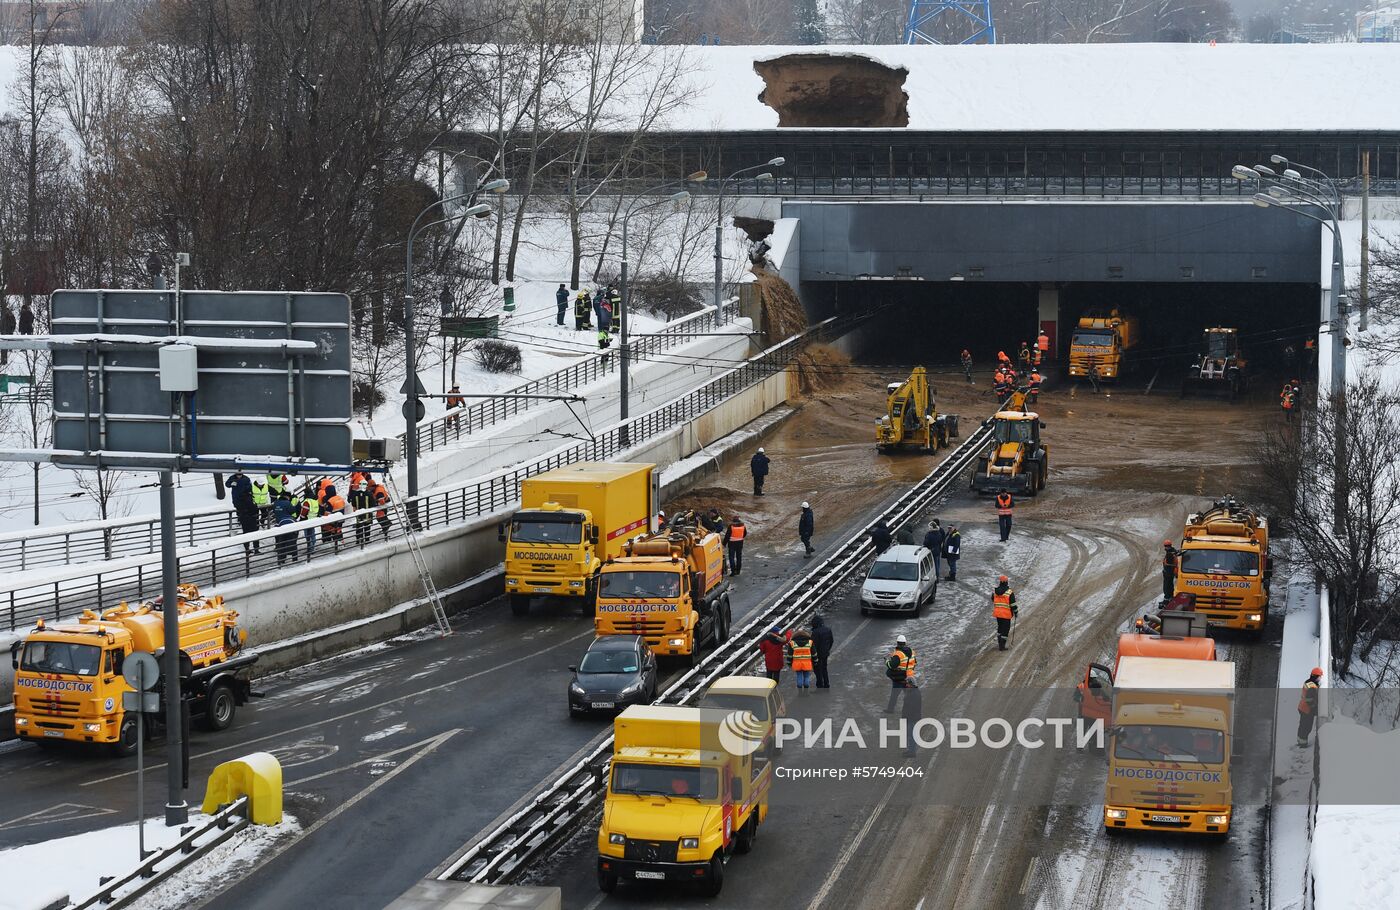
[38, 874]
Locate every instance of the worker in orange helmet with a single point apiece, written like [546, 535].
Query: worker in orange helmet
[1307, 706]
[1003, 610]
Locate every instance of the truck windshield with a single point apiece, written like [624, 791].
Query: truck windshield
[1092, 338]
[895, 571]
[61, 657]
[665, 780]
[1219, 562]
[1150, 742]
[726, 702]
[640, 584]
[1013, 431]
[542, 529]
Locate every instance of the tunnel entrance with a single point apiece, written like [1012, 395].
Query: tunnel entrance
[931, 322]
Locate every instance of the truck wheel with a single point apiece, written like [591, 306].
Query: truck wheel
[607, 882]
[126, 738]
[747, 835]
[519, 605]
[219, 708]
[711, 886]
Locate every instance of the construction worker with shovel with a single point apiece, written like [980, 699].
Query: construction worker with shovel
[1003, 610]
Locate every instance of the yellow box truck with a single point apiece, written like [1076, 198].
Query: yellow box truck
[572, 520]
[678, 802]
[1224, 564]
[1170, 745]
[68, 675]
[669, 588]
[1098, 345]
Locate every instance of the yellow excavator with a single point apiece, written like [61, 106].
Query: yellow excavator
[1017, 461]
[911, 419]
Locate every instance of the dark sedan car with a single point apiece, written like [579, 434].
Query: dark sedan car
[616, 671]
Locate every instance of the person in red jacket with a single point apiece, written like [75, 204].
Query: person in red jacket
[774, 648]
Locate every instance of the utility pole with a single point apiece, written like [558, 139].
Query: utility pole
[1365, 238]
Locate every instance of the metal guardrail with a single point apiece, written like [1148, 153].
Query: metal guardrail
[155, 868]
[25, 550]
[571, 799]
[247, 555]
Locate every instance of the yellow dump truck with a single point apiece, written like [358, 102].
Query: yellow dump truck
[911, 419]
[1224, 564]
[669, 588]
[678, 801]
[1098, 345]
[68, 675]
[1170, 745]
[1017, 461]
[572, 520]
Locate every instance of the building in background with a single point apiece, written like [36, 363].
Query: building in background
[1379, 25]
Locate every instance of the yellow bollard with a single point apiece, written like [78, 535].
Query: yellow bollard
[257, 776]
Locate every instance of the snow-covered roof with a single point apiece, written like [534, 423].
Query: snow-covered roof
[1087, 87]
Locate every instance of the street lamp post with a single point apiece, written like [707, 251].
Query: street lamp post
[412, 402]
[719, 224]
[623, 358]
[1290, 191]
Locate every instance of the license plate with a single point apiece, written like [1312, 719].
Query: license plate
[57, 733]
[1166, 818]
[601, 705]
[542, 590]
[643, 873]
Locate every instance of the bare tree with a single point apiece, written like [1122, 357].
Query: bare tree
[866, 21]
[1337, 486]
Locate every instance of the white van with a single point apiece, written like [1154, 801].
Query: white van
[901, 579]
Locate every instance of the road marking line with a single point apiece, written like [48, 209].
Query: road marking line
[431, 746]
[849, 852]
[358, 711]
[1030, 873]
[595, 902]
[364, 761]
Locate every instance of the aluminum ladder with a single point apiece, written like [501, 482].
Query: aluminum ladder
[421, 564]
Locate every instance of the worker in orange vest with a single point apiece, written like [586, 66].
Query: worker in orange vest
[1042, 344]
[1003, 610]
[999, 382]
[381, 515]
[1307, 706]
[734, 537]
[334, 531]
[1287, 399]
[1004, 507]
[800, 659]
[1035, 386]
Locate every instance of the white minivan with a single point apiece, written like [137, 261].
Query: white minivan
[901, 579]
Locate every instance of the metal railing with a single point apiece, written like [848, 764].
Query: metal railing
[247, 555]
[562, 805]
[161, 864]
[99, 541]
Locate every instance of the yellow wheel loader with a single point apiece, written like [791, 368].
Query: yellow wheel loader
[911, 419]
[1017, 461]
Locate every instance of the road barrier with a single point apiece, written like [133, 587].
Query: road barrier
[564, 804]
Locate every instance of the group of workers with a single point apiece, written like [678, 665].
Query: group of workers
[805, 652]
[606, 305]
[271, 501]
[1290, 397]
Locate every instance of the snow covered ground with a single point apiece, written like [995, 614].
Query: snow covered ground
[35, 874]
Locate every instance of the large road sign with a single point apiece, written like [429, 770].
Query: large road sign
[261, 403]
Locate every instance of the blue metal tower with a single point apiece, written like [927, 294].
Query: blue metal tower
[924, 16]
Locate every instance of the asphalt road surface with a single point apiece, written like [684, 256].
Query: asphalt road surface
[395, 756]
[1017, 831]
